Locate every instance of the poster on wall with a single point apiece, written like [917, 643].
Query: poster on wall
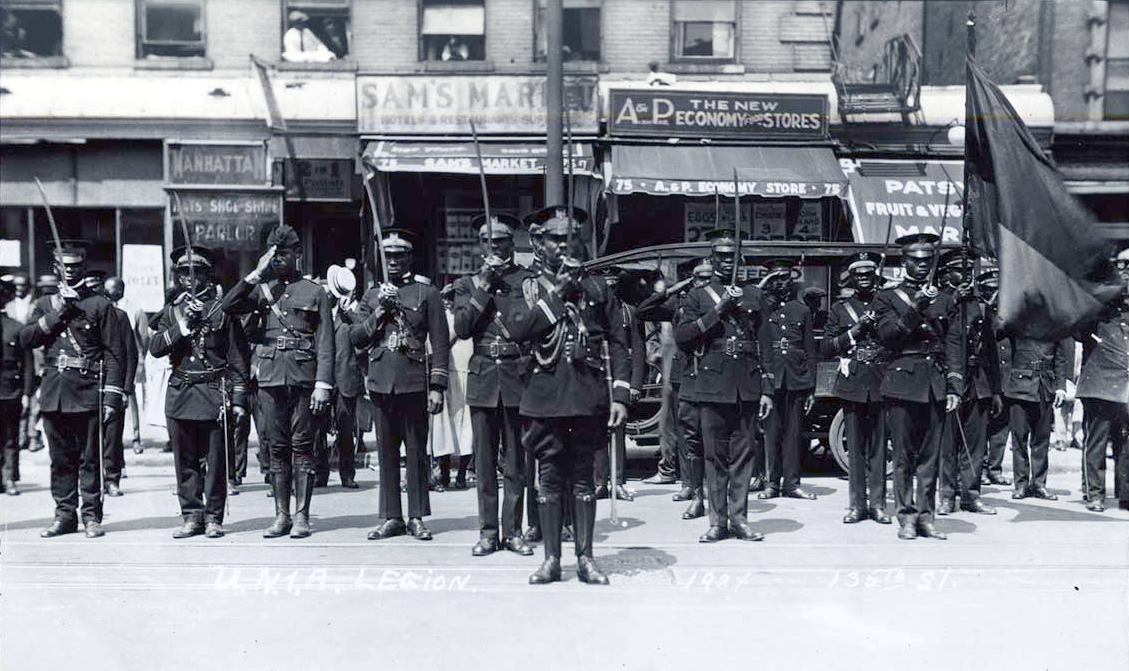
[770, 220]
[809, 226]
[10, 253]
[702, 218]
[143, 272]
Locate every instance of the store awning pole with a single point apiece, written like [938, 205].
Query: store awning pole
[554, 104]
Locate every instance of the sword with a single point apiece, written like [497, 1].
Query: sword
[482, 182]
[611, 434]
[187, 241]
[736, 226]
[376, 223]
[224, 408]
[54, 232]
[101, 432]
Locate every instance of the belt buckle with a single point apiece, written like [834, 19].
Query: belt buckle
[783, 344]
[61, 363]
[731, 347]
[495, 349]
[394, 340]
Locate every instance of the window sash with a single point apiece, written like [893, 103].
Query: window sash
[32, 4]
[454, 20]
[589, 41]
[715, 11]
[572, 4]
[1117, 37]
[722, 40]
[143, 7]
[316, 4]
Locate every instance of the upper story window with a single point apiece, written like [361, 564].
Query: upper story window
[1117, 63]
[316, 31]
[580, 28]
[704, 29]
[31, 28]
[453, 30]
[170, 28]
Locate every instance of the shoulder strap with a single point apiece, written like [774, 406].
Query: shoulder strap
[273, 303]
[900, 293]
[851, 311]
[712, 293]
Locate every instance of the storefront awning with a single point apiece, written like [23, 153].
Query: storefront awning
[904, 197]
[459, 158]
[806, 172]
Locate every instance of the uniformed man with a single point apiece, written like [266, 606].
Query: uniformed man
[913, 321]
[1035, 385]
[81, 388]
[723, 332]
[962, 455]
[208, 354]
[340, 283]
[1104, 389]
[569, 320]
[792, 365]
[294, 367]
[998, 425]
[851, 335]
[17, 384]
[113, 451]
[394, 322]
[499, 368]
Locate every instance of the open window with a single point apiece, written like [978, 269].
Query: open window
[1117, 63]
[316, 30]
[704, 29]
[453, 30]
[170, 28]
[31, 29]
[580, 28]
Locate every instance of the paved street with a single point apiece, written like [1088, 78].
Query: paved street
[1043, 585]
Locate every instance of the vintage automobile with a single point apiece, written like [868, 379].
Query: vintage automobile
[821, 266]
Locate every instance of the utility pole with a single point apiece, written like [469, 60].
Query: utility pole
[554, 105]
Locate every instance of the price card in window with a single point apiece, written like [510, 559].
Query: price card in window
[770, 220]
[809, 226]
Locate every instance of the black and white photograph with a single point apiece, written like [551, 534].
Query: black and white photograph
[564, 334]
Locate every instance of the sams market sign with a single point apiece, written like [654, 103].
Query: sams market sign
[718, 114]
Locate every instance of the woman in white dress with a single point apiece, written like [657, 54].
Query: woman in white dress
[450, 436]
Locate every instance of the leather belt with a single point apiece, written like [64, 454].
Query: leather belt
[283, 343]
[919, 352]
[732, 347]
[197, 376]
[784, 345]
[64, 362]
[499, 349]
[869, 355]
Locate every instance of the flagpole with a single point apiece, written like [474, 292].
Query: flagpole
[965, 235]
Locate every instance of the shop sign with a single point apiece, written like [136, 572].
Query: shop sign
[217, 164]
[718, 114]
[319, 179]
[143, 273]
[702, 218]
[448, 103]
[905, 197]
[462, 158]
[229, 221]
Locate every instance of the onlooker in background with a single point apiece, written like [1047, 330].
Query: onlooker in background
[17, 383]
[30, 437]
[135, 385]
[340, 283]
[659, 78]
[452, 433]
[19, 307]
[334, 37]
[455, 49]
[300, 44]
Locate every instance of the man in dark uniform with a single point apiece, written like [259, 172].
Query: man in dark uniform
[81, 388]
[498, 370]
[113, 451]
[570, 322]
[208, 354]
[851, 335]
[294, 361]
[913, 322]
[340, 282]
[1036, 381]
[1103, 387]
[998, 425]
[962, 454]
[793, 361]
[394, 322]
[17, 384]
[722, 328]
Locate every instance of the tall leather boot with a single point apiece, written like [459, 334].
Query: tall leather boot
[280, 485]
[549, 510]
[694, 477]
[303, 492]
[585, 520]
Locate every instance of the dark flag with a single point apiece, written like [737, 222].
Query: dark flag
[1054, 263]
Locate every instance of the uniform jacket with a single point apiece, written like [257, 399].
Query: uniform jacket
[1038, 368]
[790, 334]
[659, 307]
[501, 374]
[17, 368]
[862, 363]
[981, 377]
[1105, 362]
[89, 339]
[129, 344]
[723, 352]
[568, 377]
[917, 342]
[396, 340]
[348, 372]
[296, 345]
[216, 348]
[636, 346]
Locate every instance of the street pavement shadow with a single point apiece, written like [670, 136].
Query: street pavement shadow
[775, 525]
[758, 507]
[950, 525]
[1051, 513]
[42, 523]
[658, 490]
[439, 525]
[638, 562]
[604, 527]
[170, 522]
[810, 488]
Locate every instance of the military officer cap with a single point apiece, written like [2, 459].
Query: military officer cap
[94, 278]
[7, 283]
[722, 240]
[1121, 259]
[809, 293]
[192, 255]
[989, 279]
[953, 257]
[340, 281]
[395, 241]
[781, 267]
[501, 226]
[862, 263]
[69, 251]
[918, 245]
[283, 236]
[47, 281]
[555, 219]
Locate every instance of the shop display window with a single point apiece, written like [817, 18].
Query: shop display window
[1117, 63]
[452, 30]
[316, 31]
[31, 29]
[581, 30]
[704, 29]
[170, 28]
